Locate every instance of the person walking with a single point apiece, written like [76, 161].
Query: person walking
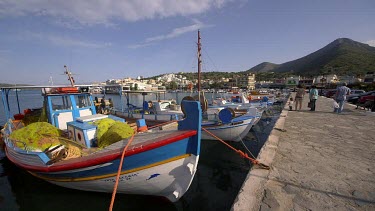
[299, 96]
[313, 95]
[340, 97]
[291, 104]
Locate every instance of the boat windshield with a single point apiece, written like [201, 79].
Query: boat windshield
[82, 101]
[61, 103]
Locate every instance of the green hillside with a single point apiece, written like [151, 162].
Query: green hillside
[263, 67]
[342, 57]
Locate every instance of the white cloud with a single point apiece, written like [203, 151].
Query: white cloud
[174, 33]
[106, 11]
[64, 41]
[371, 43]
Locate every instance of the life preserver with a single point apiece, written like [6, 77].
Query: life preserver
[67, 90]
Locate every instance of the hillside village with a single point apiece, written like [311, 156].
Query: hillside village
[343, 60]
[179, 82]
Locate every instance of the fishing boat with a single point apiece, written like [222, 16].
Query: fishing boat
[155, 162]
[239, 100]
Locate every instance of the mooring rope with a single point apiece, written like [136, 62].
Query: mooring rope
[119, 172]
[247, 149]
[242, 154]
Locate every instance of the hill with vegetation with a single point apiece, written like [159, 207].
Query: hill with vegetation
[341, 57]
[263, 67]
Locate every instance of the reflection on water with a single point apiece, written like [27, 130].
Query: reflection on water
[221, 173]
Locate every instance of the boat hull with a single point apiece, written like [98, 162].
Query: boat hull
[164, 166]
[170, 180]
[229, 132]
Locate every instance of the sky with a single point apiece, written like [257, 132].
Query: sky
[108, 39]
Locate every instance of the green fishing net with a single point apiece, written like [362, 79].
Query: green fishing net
[116, 132]
[102, 126]
[36, 136]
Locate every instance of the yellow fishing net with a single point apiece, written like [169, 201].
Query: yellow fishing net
[110, 131]
[33, 136]
[42, 136]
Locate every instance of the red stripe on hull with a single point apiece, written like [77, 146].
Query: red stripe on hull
[101, 158]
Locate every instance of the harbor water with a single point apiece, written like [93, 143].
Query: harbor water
[220, 175]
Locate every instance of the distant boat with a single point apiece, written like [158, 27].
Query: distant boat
[115, 88]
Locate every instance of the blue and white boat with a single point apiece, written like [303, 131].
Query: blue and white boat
[240, 101]
[157, 162]
[226, 123]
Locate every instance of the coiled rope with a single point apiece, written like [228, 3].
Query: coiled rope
[242, 154]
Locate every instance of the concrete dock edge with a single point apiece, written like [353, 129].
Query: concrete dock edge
[252, 191]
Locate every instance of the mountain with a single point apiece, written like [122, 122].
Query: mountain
[264, 67]
[342, 57]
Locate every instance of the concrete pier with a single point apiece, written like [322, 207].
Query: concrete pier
[319, 161]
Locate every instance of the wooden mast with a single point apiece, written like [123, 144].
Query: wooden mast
[70, 77]
[199, 61]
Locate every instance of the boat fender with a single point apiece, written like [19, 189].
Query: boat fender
[141, 125]
[265, 99]
[226, 115]
[18, 116]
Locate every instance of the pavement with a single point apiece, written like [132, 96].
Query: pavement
[319, 161]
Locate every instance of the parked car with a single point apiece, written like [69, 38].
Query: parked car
[356, 92]
[367, 101]
[354, 98]
[330, 93]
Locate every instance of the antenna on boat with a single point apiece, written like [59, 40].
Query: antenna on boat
[50, 81]
[70, 77]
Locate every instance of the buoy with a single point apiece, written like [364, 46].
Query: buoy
[141, 125]
[226, 115]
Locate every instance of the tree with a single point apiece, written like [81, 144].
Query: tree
[172, 85]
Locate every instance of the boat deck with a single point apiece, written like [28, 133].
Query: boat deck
[141, 142]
